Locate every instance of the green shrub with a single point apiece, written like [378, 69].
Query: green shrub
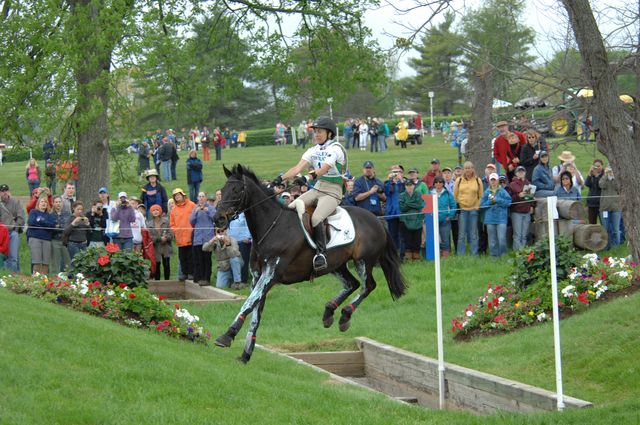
[531, 264]
[111, 265]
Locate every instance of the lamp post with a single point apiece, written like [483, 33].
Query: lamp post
[431, 94]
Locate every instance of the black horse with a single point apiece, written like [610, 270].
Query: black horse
[280, 253]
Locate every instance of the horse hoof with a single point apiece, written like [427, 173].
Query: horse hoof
[244, 358]
[345, 325]
[224, 341]
[327, 321]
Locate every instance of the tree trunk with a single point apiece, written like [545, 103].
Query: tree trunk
[479, 144]
[91, 72]
[615, 137]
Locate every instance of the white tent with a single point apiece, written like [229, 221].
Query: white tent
[497, 103]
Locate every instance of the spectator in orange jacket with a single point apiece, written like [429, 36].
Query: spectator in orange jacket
[182, 230]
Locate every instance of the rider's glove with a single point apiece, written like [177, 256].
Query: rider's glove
[275, 182]
[300, 181]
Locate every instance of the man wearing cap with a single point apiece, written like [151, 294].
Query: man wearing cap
[126, 215]
[368, 190]
[414, 176]
[432, 173]
[328, 160]
[12, 215]
[505, 152]
[521, 207]
[153, 193]
[107, 203]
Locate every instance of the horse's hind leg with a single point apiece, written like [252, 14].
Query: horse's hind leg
[257, 292]
[349, 283]
[365, 272]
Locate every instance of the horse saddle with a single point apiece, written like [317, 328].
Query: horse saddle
[339, 228]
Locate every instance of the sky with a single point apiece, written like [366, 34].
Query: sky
[546, 17]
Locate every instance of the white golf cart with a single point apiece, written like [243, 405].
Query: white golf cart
[415, 135]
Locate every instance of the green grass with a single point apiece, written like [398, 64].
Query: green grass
[61, 366]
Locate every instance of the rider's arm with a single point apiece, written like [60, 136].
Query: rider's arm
[295, 170]
[322, 170]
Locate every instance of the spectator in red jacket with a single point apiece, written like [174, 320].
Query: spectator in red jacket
[432, 173]
[507, 153]
[4, 244]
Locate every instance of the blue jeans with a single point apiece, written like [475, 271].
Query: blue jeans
[174, 176]
[223, 279]
[468, 231]
[612, 225]
[75, 247]
[166, 170]
[382, 140]
[374, 143]
[445, 235]
[13, 260]
[33, 184]
[124, 243]
[520, 223]
[393, 225]
[497, 239]
[194, 189]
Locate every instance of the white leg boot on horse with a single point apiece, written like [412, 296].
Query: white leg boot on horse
[320, 259]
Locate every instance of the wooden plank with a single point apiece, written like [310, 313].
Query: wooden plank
[343, 363]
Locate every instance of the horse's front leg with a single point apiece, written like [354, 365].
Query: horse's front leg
[257, 292]
[250, 341]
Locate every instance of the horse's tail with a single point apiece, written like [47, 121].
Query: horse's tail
[390, 263]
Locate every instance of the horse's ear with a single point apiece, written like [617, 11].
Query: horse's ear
[240, 169]
[226, 171]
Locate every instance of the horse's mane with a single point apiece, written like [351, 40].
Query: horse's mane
[239, 171]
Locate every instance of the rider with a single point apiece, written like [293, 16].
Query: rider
[327, 161]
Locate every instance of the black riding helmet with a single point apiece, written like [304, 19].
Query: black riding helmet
[326, 123]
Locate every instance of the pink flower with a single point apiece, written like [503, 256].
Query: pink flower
[531, 256]
[103, 260]
[112, 247]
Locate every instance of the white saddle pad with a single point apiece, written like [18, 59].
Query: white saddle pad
[341, 231]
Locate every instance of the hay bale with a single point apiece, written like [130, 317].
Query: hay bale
[570, 210]
[592, 237]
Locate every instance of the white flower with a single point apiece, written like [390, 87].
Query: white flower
[80, 276]
[500, 299]
[568, 291]
[469, 313]
[590, 259]
[62, 275]
[133, 322]
[490, 291]
[622, 273]
[122, 295]
[542, 317]
[110, 293]
[3, 284]
[601, 291]
[84, 290]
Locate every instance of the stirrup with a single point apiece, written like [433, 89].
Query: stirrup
[319, 262]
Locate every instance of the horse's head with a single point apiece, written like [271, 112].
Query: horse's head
[234, 197]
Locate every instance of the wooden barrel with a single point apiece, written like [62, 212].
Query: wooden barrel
[566, 227]
[540, 211]
[592, 237]
[570, 210]
[541, 229]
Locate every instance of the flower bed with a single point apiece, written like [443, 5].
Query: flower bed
[135, 307]
[509, 306]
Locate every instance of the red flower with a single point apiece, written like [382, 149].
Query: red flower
[162, 298]
[490, 306]
[112, 247]
[49, 285]
[177, 306]
[132, 295]
[531, 256]
[583, 298]
[103, 260]
[499, 318]
[94, 303]
[96, 284]
[122, 285]
[605, 260]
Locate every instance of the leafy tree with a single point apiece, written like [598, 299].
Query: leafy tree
[58, 60]
[437, 69]
[496, 50]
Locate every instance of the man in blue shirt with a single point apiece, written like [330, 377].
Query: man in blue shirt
[239, 231]
[368, 190]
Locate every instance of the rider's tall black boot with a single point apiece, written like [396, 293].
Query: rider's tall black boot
[320, 259]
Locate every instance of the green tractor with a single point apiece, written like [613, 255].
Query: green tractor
[566, 120]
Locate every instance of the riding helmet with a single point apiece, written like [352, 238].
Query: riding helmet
[326, 123]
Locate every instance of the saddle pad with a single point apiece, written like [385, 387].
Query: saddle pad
[341, 230]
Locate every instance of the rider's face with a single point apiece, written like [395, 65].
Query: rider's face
[320, 135]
